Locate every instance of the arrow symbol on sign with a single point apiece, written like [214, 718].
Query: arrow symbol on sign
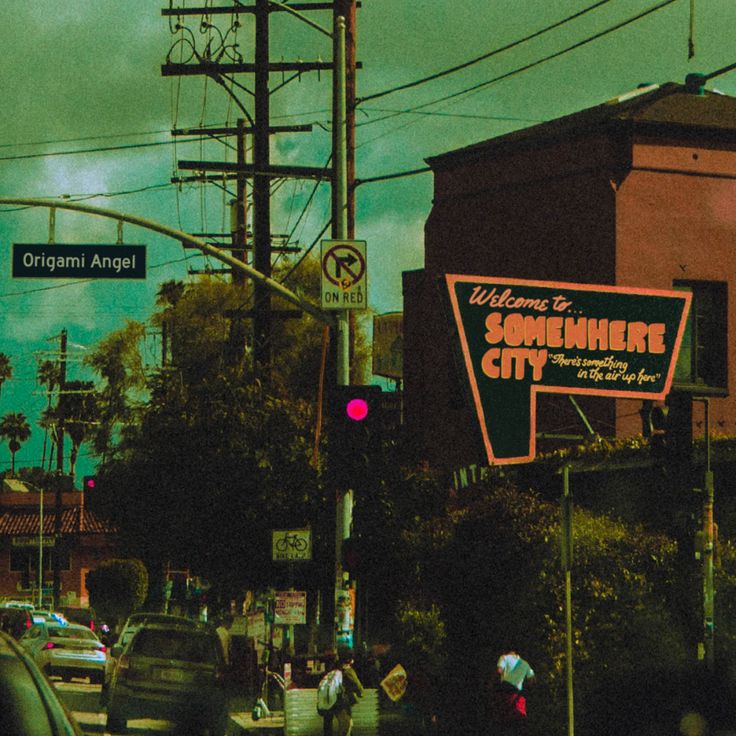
[345, 262]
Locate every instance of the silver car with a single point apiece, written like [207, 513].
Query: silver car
[66, 650]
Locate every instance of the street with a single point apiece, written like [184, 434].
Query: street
[83, 699]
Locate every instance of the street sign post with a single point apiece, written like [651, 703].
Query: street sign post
[344, 274]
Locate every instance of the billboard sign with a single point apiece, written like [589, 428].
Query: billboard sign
[521, 337]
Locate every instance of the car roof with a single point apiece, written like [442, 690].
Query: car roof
[136, 619]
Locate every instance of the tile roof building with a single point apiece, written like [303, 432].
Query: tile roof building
[86, 540]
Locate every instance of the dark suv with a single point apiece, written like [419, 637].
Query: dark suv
[172, 673]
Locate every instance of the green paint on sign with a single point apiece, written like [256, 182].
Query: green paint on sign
[522, 337]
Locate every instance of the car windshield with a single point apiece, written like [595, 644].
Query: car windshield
[170, 644]
[65, 632]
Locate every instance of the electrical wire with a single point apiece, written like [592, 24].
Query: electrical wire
[101, 149]
[531, 65]
[483, 57]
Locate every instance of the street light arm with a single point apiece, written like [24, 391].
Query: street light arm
[183, 237]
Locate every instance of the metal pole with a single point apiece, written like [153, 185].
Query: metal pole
[567, 563]
[262, 195]
[40, 550]
[708, 552]
[341, 191]
[59, 471]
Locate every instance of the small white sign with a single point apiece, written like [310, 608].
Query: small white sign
[291, 544]
[290, 607]
[344, 274]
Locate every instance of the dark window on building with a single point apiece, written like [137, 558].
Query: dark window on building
[25, 561]
[702, 364]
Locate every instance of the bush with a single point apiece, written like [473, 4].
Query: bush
[117, 588]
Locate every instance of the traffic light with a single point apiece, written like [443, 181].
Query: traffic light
[354, 433]
[89, 482]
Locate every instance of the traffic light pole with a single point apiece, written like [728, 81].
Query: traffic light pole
[341, 189]
[343, 502]
[708, 552]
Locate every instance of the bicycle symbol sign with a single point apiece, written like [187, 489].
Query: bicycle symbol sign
[291, 544]
[344, 269]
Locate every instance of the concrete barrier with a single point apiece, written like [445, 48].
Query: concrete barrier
[301, 717]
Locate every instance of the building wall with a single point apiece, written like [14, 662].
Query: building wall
[546, 215]
[676, 221]
[632, 212]
[85, 554]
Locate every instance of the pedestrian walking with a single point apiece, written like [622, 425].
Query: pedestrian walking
[509, 702]
[351, 693]
[223, 632]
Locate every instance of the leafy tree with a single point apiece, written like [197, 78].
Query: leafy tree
[6, 369]
[491, 565]
[15, 429]
[117, 588]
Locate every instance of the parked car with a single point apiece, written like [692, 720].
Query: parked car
[173, 673]
[134, 622]
[80, 615]
[40, 617]
[30, 705]
[15, 620]
[66, 650]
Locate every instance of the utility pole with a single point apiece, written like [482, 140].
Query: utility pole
[347, 10]
[219, 64]
[262, 193]
[59, 489]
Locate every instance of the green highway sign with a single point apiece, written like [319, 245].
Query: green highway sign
[35, 261]
[521, 337]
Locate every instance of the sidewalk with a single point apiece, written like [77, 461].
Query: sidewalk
[241, 709]
[273, 724]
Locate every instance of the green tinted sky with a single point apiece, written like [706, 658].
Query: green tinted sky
[80, 75]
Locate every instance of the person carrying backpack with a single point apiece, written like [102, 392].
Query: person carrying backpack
[510, 702]
[337, 692]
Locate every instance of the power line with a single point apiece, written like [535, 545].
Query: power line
[531, 65]
[483, 57]
[100, 136]
[101, 149]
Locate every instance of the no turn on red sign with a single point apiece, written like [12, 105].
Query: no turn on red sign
[344, 274]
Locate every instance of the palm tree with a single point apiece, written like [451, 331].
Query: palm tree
[14, 427]
[49, 375]
[6, 370]
[78, 406]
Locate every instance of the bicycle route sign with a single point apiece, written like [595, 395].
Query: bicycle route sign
[288, 545]
[344, 274]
